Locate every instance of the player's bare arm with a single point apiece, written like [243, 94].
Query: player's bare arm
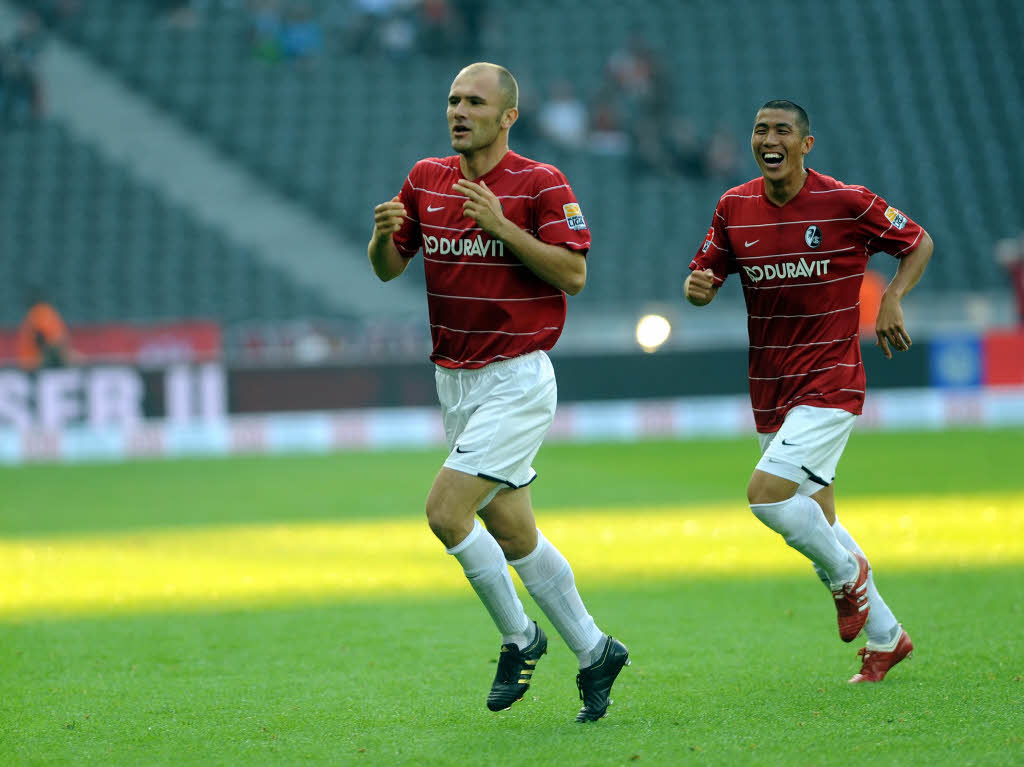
[699, 288]
[561, 267]
[889, 327]
[387, 262]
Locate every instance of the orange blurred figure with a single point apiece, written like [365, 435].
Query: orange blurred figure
[43, 340]
[871, 290]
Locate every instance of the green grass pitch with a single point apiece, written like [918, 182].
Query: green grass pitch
[734, 665]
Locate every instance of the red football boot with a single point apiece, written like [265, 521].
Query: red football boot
[852, 602]
[877, 663]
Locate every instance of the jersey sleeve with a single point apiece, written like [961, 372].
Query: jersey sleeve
[715, 252]
[409, 237]
[558, 217]
[888, 230]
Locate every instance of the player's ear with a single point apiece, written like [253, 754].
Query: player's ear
[808, 142]
[509, 117]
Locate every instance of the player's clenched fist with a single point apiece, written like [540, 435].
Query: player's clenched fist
[699, 287]
[387, 218]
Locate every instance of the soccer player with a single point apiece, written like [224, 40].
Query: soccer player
[800, 242]
[503, 241]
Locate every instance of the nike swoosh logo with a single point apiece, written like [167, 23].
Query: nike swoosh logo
[789, 444]
[745, 243]
[458, 449]
[432, 209]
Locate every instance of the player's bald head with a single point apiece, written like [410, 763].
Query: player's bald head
[800, 119]
[508, 88]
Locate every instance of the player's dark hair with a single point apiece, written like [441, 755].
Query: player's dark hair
[803, 122]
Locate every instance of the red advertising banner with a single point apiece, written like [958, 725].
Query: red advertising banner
[1003, 355]
[145, 345]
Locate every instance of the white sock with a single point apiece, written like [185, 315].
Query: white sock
[549, 579]
[802, 523]
[888, 646]
[881, 627]
[485, 567]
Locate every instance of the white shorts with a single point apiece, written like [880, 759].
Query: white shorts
[496, 417]
[807, 447]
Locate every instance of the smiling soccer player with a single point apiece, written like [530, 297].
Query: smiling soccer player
[800, 242]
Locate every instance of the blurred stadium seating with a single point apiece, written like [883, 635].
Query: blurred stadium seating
[919, 102]
[108, 247]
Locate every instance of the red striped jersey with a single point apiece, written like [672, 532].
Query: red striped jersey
[484, 303]
[801, 266]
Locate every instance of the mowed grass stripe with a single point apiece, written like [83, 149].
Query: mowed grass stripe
[275, 563]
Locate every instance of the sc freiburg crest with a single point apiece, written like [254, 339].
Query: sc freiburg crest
[813, 236]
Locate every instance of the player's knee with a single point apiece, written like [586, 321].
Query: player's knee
[759, 492]
[448, 522]
[753, 494]
[438, 517]
[767, 488]
[515, 543]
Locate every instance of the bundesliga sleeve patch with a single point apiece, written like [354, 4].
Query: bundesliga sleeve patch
[897, 219]
[708, 239]
[574, 216]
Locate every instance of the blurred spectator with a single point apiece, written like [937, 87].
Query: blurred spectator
[265, 29]
[631, 68]
[43, 340]
[723, 157]
[639, 87]
[301, 37]
[21, 86]
[1010, 255]
[689, 154]
[470, 15]
[607, 136]
[382, 25]
[563, 117]
[275, 34]
[439, 28]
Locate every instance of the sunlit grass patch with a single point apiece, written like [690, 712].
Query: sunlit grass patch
[276, 563]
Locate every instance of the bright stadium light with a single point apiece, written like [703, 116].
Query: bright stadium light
[652, 331]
